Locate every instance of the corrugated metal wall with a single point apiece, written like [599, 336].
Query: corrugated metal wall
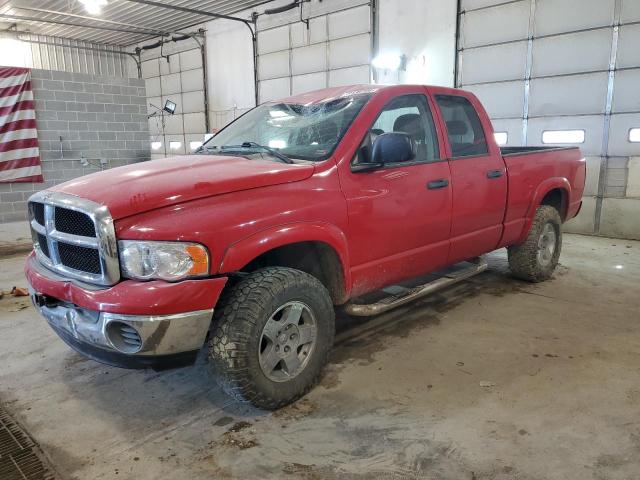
[55, 53]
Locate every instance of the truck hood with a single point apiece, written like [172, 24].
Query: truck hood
[145, 186]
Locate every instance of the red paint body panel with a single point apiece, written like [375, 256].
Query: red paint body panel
[384, 225]
[147, 186]
[133, 298]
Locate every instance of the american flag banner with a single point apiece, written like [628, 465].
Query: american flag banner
[19, 153]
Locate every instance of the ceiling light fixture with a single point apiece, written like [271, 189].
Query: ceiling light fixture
[94, 7]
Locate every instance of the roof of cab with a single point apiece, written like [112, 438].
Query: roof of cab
[326, 94]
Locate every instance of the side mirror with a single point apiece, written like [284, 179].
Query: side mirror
[393, 147]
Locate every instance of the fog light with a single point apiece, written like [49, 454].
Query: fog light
[123, 337]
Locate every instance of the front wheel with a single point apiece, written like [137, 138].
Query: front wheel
[536, 259]
[271, 336]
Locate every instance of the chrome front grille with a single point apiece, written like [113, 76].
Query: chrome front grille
[75, 237]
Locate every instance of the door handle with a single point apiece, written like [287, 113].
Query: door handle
[494, 173]
[440, 183]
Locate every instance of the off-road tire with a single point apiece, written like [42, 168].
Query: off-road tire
[523, 258]
[236, 331]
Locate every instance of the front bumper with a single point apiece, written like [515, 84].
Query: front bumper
[132, 324]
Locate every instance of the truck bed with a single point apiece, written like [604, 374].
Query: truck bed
[531, 172]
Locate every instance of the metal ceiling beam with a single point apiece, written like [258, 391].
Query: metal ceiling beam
[93, 19]
[73, 24]
[151, 31]
[194, 11]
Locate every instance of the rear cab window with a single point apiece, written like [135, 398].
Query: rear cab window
[464, 129]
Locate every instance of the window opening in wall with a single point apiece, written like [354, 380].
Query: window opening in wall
[501, 138]
[563, 136]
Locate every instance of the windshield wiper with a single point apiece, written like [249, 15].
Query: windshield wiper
[257, 146]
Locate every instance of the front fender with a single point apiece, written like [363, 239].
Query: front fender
[240, 253]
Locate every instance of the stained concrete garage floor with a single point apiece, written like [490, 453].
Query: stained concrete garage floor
[493, 379]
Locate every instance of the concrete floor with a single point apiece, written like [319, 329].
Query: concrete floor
[493, 379]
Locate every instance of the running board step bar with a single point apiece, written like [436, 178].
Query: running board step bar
[409, 295]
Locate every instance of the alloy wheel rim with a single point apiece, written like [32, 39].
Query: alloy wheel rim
[547, 245]
[287, 341]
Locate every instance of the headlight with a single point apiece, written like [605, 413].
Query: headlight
[144, 260]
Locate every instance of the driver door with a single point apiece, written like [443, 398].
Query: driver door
[400, 213]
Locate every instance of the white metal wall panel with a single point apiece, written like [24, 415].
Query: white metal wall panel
[153, 86]
[628, 46]
[349, 22]
[574, 53]
[55, 53]
[170, 83]
[192, 101]
[568, 95]
[501, 100]
[150, 68]
[274, 65]
[497, 24]
[494, 63]
[274, 40]
[317, 32]
[626, 91]
[351, 51]
[475, 4]
[334, 50]
[592, 125]
[274, 89]
[309, 59]
[561, 16]
[309, 82]
[349, 76]
[630, 11]
[619, 136]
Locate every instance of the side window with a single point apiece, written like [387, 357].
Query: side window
[410, 114]
[466, 135]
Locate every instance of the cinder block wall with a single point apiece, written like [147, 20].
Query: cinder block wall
[81, 115]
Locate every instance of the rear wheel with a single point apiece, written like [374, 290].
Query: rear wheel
[536, 259]
[271, 336]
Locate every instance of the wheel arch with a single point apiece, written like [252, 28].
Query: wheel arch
[317, 249]
[555, 192]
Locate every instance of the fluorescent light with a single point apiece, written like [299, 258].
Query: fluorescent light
[94, 7]
[634, 135]
[175, 145]
[563, 136]
[156, 145]
[501, 138]
[277, 144]
[195, 145]
[387, 61]
[207, 136]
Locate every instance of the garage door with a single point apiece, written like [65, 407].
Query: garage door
[559, 72]
[334, 50]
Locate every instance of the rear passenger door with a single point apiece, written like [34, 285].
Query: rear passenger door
[478, 177]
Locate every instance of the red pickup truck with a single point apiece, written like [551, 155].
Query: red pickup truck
[298, 206]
